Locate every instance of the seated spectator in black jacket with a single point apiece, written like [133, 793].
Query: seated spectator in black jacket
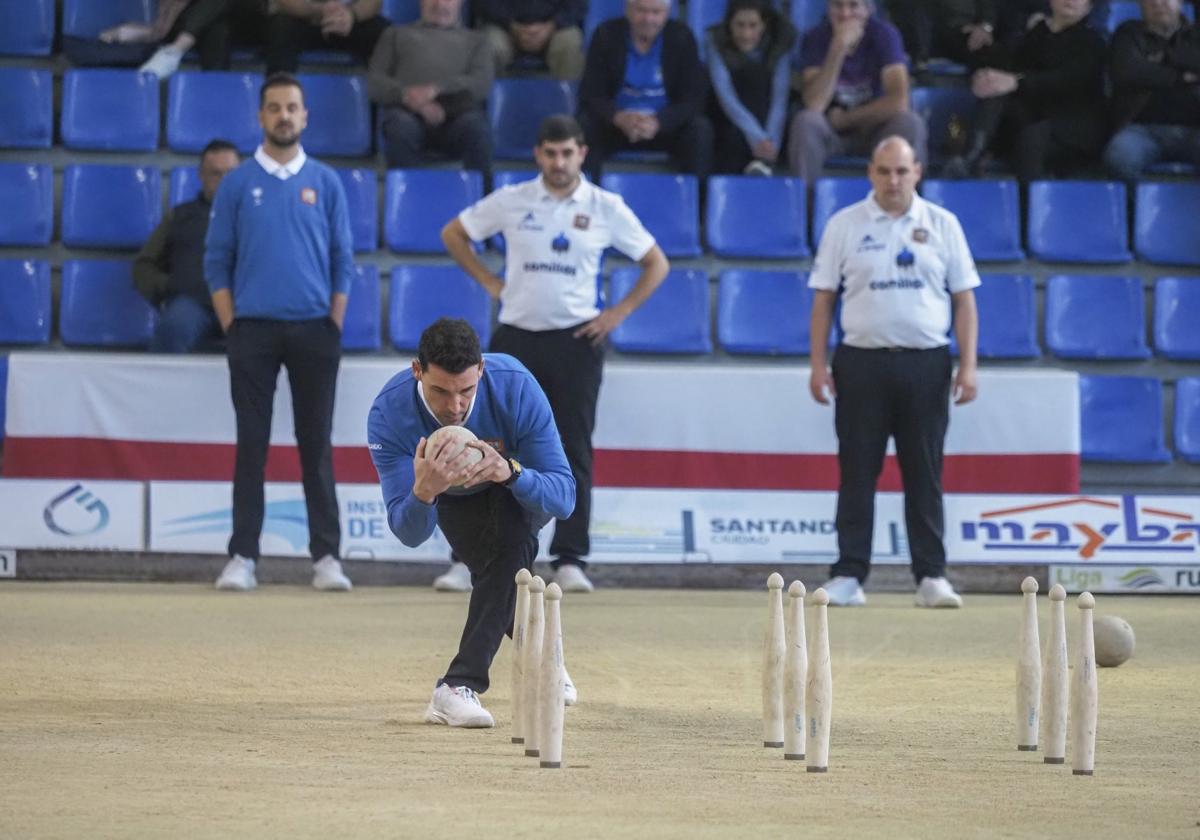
[1045, 105]
[960, 30]
[294, 26]
[169, 270]
[534, 35]
[1155, 70]
[644, 88]
[751, 73]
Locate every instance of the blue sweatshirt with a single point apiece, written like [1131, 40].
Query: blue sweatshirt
[510, 412]
[283, 247]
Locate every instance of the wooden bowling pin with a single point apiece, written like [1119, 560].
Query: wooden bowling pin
[818, 699]
[550, 693]
[1029, 670]
[1084, 693]
[534, 631]
[795, 673]
[520, 618]
[773, 650]
[1054, 681]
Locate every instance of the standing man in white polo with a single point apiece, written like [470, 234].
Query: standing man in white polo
[903, 272]
[556, 228]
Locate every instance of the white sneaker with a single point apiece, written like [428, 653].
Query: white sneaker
[571, 578]
[570, 695]
[758, 167]
[458, 706]
[238, 575]
[456, 579]
[164, 62]
[937, 592]
[844, 592]
[329, 577]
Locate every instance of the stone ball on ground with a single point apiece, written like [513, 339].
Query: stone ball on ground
[1114, 641]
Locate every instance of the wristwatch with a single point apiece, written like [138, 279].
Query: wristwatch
[515, 466]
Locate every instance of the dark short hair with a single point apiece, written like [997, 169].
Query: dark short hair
[279, 80]
[217, 145]
[451, 344]
[558, 128]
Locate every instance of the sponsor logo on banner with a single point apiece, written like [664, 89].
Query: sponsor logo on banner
[97, 515]
[8, 563]
[1131, 579]
[1098, 529]
[76, 512]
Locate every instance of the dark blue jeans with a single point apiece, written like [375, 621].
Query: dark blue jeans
[184, 325]
[1137, 147]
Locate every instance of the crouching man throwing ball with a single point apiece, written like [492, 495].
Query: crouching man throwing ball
[490, 509]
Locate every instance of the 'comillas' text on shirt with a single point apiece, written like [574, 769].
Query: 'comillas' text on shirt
[897, 283]
[555, 267]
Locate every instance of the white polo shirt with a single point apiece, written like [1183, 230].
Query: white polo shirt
[553, 248]
[896, 275]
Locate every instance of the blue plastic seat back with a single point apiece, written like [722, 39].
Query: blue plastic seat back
[1187, 418]
[764, 312]
[940, 107]
[1167, 222]
[668, 205]
[1078, 222]
[110, 206]
[807, 13]
[101, 308]
[211, 105]
[756, 217]
[362, 197]
[1096, 317]
[516, 107]
[420, 294]
[675, 319]
[361, 329]
[1007, 306]
[990, 214]
[26, 106]
[184, 185]
[339, 115]
[831, 195]
[110, 110]
[26, 27]
[88, 18]
[400, 12]
[28, 191]
[1121, 419]
[24, 302]
[419, 202]
[1177, 318]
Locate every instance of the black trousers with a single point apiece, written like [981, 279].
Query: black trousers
[288, 36]
[496, 536]
[569, 370]
[903, 394]
[409, 142]
[690, 146]
[311, 352]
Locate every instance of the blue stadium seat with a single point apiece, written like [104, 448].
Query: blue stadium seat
[1166, 222]
[400, 12]
[204, 106]
[28, 196]
[362, 196]
[26, 27]
[736, 224]
[184, 185]
[26, 107]
[1121, 419]
[1119, 11]
[831, 195]
[361, 329]
[702, 14]
[807, 13]
[3, 394]
[110, 110]
[24, 302]
[938, 106]
[765, 313]
[668, 205]
[87, 18]
[110, 206]
[1007, 305]
[990, 213]
[339, 116]
[1176, 305]
[1187, 418]
[516, 107]
[675, 319]
[420, 294]
[101, 308]
[1078, 222]
[1096, 317]
[419, 202]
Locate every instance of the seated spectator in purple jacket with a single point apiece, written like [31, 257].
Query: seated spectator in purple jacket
[750, 72]
[1155, 71]
[854, 89]
[169, 270]
[644, 88]
[159, 46]
[293, 26]
[534, 35]
[1044, 106]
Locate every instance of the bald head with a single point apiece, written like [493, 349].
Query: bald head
[895, 144]
[894, 172]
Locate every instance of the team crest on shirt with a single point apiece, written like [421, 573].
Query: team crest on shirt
[309, 196]
[920, 235]
[582, 221]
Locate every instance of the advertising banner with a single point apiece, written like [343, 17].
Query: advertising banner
[69, 514]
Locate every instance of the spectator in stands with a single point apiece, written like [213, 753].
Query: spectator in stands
[1045, 103]
[1016, 17]
[534, 35]
[431, 79]
[960, 30]
[279, 259]
[159, 46]
[750, 71]
[644, 88]
[169, 270]
[353, 26]
[1155, 69]
[854, 89]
